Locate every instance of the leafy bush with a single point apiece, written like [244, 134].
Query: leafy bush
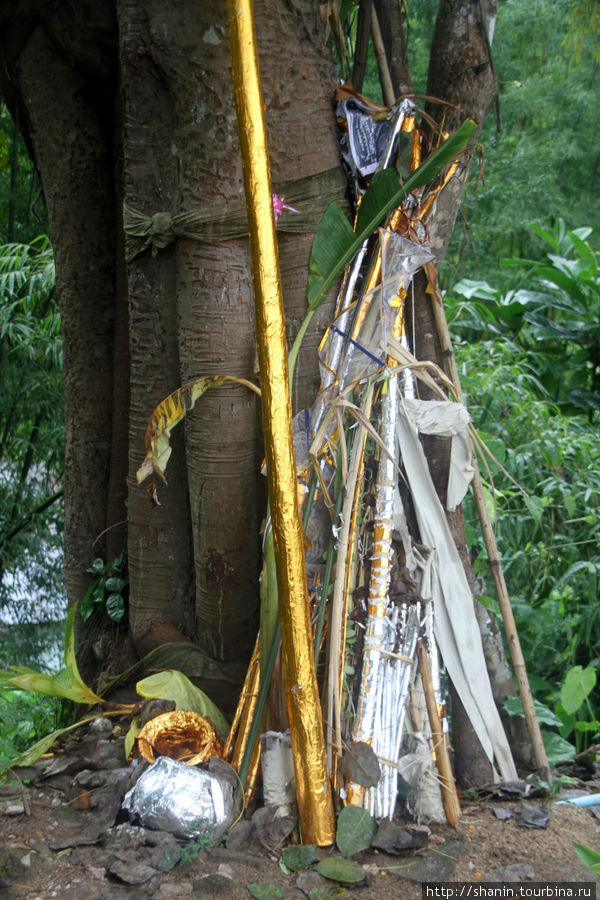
[31, 435]
[106, 591]
[540, 164]
[26, 718]
[530, 375]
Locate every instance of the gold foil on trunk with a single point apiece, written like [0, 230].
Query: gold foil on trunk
[312, 786]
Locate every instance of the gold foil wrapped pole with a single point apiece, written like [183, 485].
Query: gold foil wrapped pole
[312, 786]
[239, 733]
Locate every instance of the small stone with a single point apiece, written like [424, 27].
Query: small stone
[242, 835]
[225, 870]
[124, 837]
[101, 725]
[519, 872]
[432, 867]
[534, 816]
[514, 872]
[181, 889]
[502, 813]
[295, 894]
[218, 884]
[12, 809]
[10, 864]
[132, 873]
[273, 830]
[396, 839]
[89, 779]
[311, 880]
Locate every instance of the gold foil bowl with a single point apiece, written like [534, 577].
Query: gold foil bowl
[182, 735]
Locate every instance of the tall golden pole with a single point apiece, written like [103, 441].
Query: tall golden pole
[312, 786]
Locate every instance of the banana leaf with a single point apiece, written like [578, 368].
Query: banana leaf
[336, 243]
[172, 685]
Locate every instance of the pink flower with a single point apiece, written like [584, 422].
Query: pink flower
[279, 205]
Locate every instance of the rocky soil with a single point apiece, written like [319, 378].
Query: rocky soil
[63, 834]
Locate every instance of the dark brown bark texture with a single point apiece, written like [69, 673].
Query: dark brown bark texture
[461, 72]
[361, 50]
[124, 100]
[71, 138]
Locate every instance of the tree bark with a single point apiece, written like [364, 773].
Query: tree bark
[181, 151]
[159, 538]
[73, 153]
[123, 99]
[361, 49]
[461, 72]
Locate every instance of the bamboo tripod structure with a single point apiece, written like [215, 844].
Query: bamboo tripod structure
[489, 538]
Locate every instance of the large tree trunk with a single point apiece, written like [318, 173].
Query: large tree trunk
[131, 100]
[181, 151]
[71, 134]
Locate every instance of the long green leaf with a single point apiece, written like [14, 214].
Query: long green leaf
[588, 856]
[71, 660]
[66, 683]
[335, 243]
[63, 684]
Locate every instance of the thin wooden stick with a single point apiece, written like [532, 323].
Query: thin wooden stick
[491, 546]
[440, 750]
[387, 87]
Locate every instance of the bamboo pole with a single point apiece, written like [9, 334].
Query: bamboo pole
[440, 750]
[491, 546]
[313, 790]
[387, 87]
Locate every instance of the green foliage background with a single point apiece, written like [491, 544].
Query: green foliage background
[545, 163]
[31, 445]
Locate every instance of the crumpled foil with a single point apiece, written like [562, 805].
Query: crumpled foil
[184, 800]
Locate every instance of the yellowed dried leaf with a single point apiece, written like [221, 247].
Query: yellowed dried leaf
[169, 413]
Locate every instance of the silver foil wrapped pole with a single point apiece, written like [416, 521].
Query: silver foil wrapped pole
[398, 114]
[391, 631]
[387, 662]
